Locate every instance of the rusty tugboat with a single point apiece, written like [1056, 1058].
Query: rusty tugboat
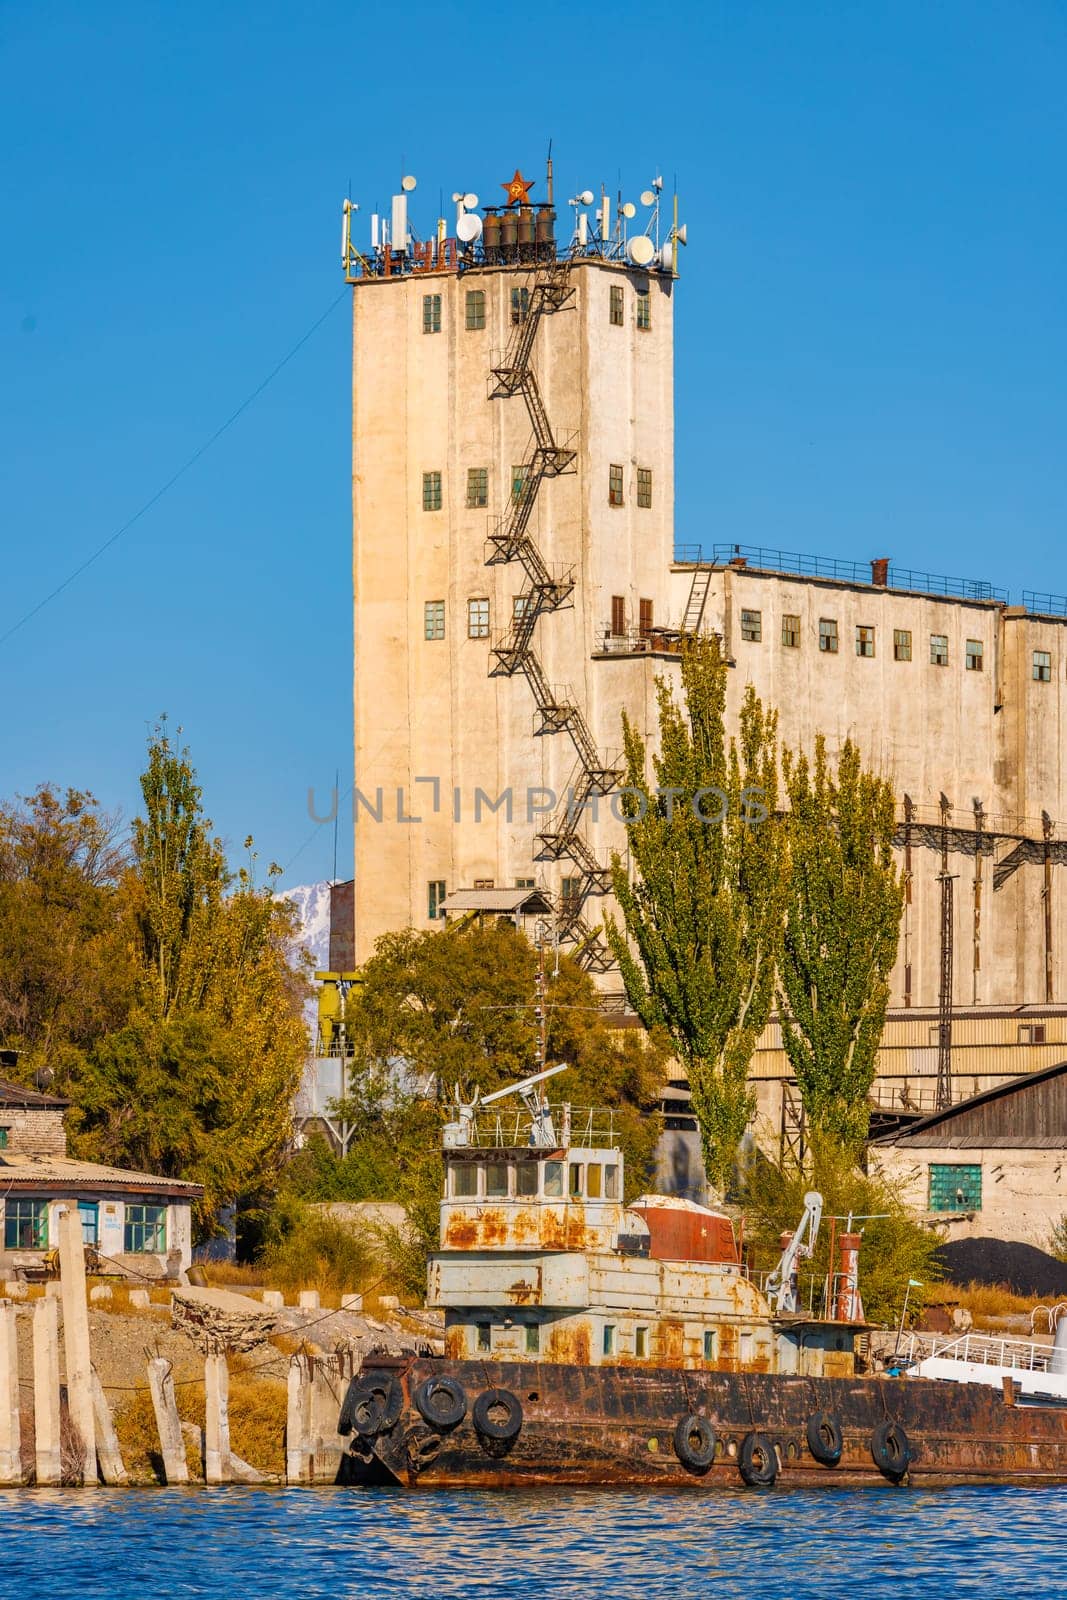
[592, 1342]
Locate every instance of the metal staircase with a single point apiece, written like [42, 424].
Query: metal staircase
[546, 590]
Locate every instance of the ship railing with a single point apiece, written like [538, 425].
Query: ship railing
[1018, 1355]
[577, 1127]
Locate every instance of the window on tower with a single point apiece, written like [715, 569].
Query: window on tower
[475, 309]
[435, 619]
[478, 619]
[520, 305]
[1042, 666]
[477, 486]
[435, 894]
[901, 644]
[616, 311]
[864, 641]
[975, 653]
[752, 626]
[431, 313]
[644, 613]
[644, 488]
[939, 649]
[644, 311]
[791, 630]
[828, 635]
[615, 486]
[518, 481]
[431, 491]
[618, 616]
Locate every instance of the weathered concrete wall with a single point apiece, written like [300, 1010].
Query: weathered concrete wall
[1024, 1192]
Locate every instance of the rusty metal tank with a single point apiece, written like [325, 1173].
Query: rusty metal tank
[526, 228]
[680, 1230]
[491, 234]
[509, 234]
[545, 232]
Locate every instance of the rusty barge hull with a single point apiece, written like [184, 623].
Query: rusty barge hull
[616, 1426]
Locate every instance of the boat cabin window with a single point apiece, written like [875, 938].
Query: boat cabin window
[496, 1180]
[526, 1179]
[484, 1332]
[745, 1347]
[609, 1338]
[533, 1338]
[709, 1344]
[594, 1180]
[611, 1182]
[641, 1343]
[553, 1180]
[576, 1179]
[464, 1180]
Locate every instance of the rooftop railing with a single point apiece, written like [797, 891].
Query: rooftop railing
[577, 1127]
[765, 559]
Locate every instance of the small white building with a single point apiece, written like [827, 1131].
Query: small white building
[138, 1223]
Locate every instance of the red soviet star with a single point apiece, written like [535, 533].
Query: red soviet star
[518, 189]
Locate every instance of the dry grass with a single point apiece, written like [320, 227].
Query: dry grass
[257, 1419]
[232, 1275]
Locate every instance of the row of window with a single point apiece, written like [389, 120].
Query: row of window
[26, 1226]
[477, 617]
[478, 487]
[752, 630]
[610, 1344]
[505, 1180]
[618, 617]
[474, 309]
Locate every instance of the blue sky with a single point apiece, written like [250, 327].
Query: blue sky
[871, 336]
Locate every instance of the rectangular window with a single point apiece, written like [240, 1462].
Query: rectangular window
[616, 314]
[609, 1338]
[644, 613]
[533, 1338]
[496, 1180]
[1032, 1033]
[611, 1182]
[828, 636]
[464, 1180]
[526, 883]
[519, 606]
[939, 649]
[744, 1348]
[641, 1343]
[431, 313]
[594, 1181]
[485, 883]
[791, 630]
[3, 1138]
[955, 1188]
[553, 1180]
[520, 305]
[644, 311]
[477, 486]
[570, 889]
[518, 481]
[475, 308]
[975, 655]
[431, 491]
[618, 616]
[25, 1224]
[644, 488]
[484, 1336]
[752, 626]
[575, 1187]
[901, 644]
[615, 486]
[1042, 666]
[145, 1232]
[434, 619]
[864, 641]
[526, 1179]
[88, 1214]
[435, 894]
[477, 619]
[709, 1344]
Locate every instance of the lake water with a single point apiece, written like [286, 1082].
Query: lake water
[785, 1545]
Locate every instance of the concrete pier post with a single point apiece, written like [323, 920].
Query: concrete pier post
[76, 1339]
[108, 1453]
[168, 1424]
[298, 1422]
[46, 1438]
[10, 1410]
[218, 1467]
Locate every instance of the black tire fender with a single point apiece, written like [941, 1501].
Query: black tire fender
[890, 1449]
[502, 1429]
[371, 1406]
[757, 1461]
[825, 1439]
[694, 1443]
[442, 1402]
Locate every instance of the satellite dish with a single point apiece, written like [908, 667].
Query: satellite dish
[648, 197]
[468, 227]
[640, 249]
[470, 201]
[629, 209]
[457, 197]
[586, 197]
[679, 234]
[407, 184]
[667, 257]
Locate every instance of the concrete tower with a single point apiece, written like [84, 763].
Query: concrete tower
[512, 490]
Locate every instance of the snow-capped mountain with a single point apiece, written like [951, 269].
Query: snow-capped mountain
[312, 902]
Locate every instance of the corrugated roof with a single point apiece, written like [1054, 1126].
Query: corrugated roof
[17, 1094]
[18, 1169]
[1000, 1091]
[502, 900]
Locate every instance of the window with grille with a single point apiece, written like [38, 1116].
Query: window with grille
[520, 305]
[644, 488]
[618, 615]
[145, 1231]
[955, 1188]
[435, 894]
[901, 644]
[828, 636]
[475, 309]
[975, 655]
[477, 486]
[939, 649]
[1042, 666]
[864, 641]
[518, 481]
[791, 630]
[644, 615]
[570, 888]
[752, 626]
[615, 305]
[434, 619]
[431, 491]
[431, 313]
[644, 310]
[25, 1224]
[615, 486]
[478, 619]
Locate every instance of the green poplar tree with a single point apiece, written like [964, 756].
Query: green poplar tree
[846, 898]
[703, 898]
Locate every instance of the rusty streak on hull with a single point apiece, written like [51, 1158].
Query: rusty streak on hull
[611, 1425]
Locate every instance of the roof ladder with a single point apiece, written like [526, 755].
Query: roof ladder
[698, 599]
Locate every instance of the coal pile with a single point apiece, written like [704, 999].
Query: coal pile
[1022, 1268]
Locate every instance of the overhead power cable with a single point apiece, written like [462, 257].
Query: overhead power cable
[173, 479]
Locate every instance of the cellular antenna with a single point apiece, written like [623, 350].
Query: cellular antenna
[548, 174]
